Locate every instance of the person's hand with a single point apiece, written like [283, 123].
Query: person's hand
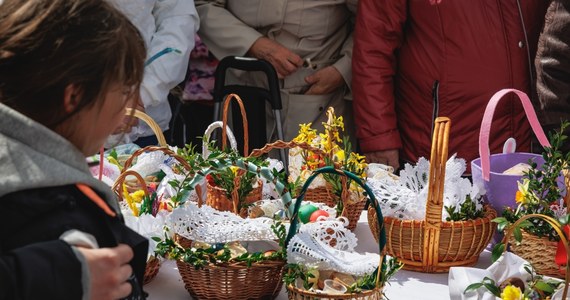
[386, 157]
[109, 271]
[282, 59]
[324, 81]
[130, 121]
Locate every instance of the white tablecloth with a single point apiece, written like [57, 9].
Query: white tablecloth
[405, 285]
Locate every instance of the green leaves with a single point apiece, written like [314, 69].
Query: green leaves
[502, 223]
[488, 283]
[498, 250]
[467, 211]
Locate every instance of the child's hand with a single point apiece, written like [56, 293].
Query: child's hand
[109, 270]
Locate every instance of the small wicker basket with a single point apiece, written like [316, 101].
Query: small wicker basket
[432, 245]
[376, 293]
[539, 251]
[261, 280]
[153, 263]
[352, 208]
[217, 197]
[151, 270]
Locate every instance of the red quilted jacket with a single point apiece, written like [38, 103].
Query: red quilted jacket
[472, 48]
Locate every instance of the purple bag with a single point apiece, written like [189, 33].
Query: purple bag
[487, 170]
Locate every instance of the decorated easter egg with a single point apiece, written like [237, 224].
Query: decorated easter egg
[317, 213]
[305, 212]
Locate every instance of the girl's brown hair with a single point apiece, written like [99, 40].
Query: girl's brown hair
[46, 45]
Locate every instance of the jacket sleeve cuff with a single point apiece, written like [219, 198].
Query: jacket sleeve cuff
[385, 141]
[85, 276]
[344, 67]
[47, 270]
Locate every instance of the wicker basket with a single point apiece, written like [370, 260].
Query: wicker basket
[540, 252]
[376, 293]
[262, 280]
[138, 183]
[352, 208]
[151, 270]
[432, 245]
[217, 198]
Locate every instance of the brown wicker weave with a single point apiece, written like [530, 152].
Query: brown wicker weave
[539, 252]
[152, 267]
[262, 280]
[217, 198]
[301, 294]
[431, 245]
[352, 208]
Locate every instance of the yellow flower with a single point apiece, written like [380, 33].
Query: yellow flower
[137, 196]
[511, 293]
[306, 134]
[130, 201]
[523, 195]
[234, 169]
[340, 155]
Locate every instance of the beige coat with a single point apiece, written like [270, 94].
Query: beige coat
[319, 30]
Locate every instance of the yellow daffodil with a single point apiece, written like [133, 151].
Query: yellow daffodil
[511, 292]
[130, 201]
[523, 195]
[306, 134]
[339, 155]
[137, 196]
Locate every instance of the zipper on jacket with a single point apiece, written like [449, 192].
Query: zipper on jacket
[435, 97]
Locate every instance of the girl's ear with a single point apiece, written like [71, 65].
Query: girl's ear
[71, 98]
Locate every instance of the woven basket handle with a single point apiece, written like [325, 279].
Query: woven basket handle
[225, 122]
[117, 186]
[150, 122]
[208, 134]
[434, 206]
[294, 210]
[484, 151]
[166, 151]
[285, 145]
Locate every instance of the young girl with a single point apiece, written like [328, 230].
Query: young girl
[68, 69]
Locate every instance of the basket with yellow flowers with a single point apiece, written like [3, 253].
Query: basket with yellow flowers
[341, 193]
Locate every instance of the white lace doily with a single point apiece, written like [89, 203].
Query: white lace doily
[405, 198]
[211, 226]
[332, 232]
[304, 249]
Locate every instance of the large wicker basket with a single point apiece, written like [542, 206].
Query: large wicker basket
[352, 204]
[262, 280]
[376, 293]
[235, 280]
[432, 245]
